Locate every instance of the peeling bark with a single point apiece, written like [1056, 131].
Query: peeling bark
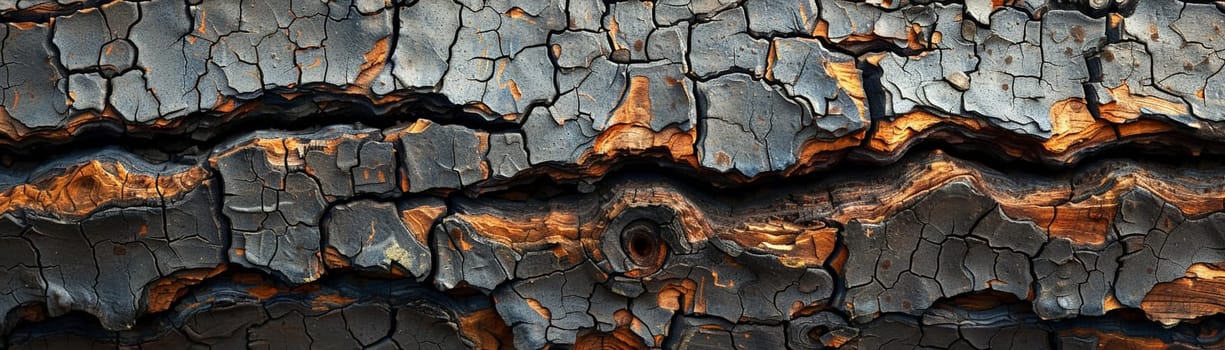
[670, 174]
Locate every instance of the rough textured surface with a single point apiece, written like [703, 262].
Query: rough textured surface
[624, 174]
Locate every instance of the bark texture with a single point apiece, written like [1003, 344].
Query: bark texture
[681, 174]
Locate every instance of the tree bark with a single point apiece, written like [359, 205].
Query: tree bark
[585, 174]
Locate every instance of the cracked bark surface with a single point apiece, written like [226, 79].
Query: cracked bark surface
[612, 174]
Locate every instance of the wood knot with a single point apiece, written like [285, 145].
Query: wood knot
[646, 249]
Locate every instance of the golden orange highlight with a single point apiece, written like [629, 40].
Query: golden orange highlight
[1127, 107]
[849, 81]
[796, 245]
[375, 59]
[1196, 295]
[1085, 220]
[326, 302]
[164, 291]
[420, 219]
[486, 330]
[553, 226]
[629, 129]
[621, 338]
[87, 187]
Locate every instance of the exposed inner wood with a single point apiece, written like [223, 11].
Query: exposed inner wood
[586, 174]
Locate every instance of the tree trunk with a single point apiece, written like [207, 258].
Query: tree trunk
[579, 174]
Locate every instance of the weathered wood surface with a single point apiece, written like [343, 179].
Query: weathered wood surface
[672, 174]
